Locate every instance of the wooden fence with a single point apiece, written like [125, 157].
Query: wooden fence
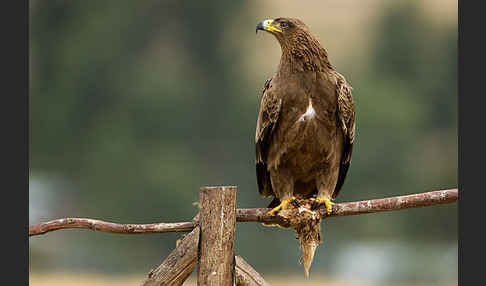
[210, 241]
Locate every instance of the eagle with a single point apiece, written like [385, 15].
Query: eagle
[306, 123]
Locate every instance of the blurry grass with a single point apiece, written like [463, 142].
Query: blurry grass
[94, 279]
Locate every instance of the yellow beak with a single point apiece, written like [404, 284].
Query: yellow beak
[268, 25]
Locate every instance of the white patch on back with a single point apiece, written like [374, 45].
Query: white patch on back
[309, 113]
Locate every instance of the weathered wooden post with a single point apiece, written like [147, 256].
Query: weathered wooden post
[180, 263]
[246, 275]
[217, 219]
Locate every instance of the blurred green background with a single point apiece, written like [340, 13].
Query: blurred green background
[136, 104]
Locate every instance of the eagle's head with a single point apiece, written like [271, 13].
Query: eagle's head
[296, 39]
[284, 29]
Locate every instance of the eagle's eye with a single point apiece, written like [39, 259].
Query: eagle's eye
[284, 24]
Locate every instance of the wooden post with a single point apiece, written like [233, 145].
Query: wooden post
[178, 265]
[217, 219]
[246, 275]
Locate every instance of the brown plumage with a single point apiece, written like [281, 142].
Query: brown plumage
[305, 128]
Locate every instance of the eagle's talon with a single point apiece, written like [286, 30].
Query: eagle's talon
[283, 205]
[318, 202]
[295, 203]
[315, 205]
[274, 211]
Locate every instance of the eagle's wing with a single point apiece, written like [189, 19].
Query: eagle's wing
[268, 116]
[346, 118]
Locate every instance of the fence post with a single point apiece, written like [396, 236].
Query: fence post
[246, 275]
[217, 219]
[180, 263]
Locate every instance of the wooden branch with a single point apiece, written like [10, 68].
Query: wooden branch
[361, 207]
[396, 203]
[255, 215]
[217, 219]
[246, 275]
[105, 226]
[180, 263]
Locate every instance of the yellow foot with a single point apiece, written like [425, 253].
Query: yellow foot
[283, 205]
[326, 202]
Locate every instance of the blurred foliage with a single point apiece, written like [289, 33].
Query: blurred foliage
[138, 104]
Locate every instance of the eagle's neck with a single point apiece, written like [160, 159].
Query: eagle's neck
[303, 53]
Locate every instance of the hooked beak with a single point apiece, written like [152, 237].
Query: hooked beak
[267, 25]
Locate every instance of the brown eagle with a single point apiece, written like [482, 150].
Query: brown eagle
[306, 123]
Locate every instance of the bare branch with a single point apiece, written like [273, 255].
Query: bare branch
[361, 207]
[105, 226]
[256, 214]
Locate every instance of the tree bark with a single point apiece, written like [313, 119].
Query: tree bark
[217, 218]
[180, 263]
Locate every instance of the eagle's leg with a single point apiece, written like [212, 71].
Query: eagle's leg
[325, 183]
[283, 186]
[318, 202]
[283, 205]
